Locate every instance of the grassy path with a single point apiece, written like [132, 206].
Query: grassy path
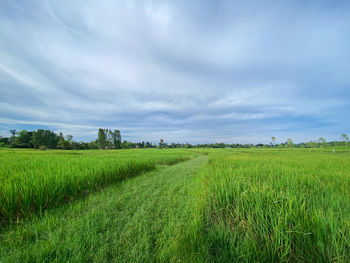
[140, 220]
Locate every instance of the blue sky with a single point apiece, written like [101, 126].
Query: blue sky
[184, 71]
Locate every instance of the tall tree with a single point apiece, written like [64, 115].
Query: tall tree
[45, 138]
[13, 137]
[322, 141]
[102, 138]
[117, 139]
[161, 143]
[290, 143]
[273, 139]
[61, 137]
[13, 132]
[24, 139]
[109, 137]
[62, 143]
[69, 138]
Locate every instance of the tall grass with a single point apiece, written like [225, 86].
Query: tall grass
[33, 181]
[287, 206]
[245, 205]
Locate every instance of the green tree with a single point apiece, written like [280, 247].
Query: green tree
[24, 139]
[311, 144]
[161, 143]
[114, 139]
[102, 138]
[126, 145]
[69, 138]
[273, 140]
[109, 136]
[4, 141]
[13, 132]
[93, 145]
[322, 141]
[117, 139]
[290, 143]
[13, 137]
[62, 143]
[45, 138]
[74, 145]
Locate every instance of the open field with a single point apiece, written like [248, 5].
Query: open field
[278, 206]
[223, 205]
[32, 181]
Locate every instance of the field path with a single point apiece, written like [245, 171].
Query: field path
[138, 220]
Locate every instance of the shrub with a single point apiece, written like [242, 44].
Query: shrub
[42, 148]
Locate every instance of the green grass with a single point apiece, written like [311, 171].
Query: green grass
[286, 206]
[138, 220]
[32, 181]
[227, 205]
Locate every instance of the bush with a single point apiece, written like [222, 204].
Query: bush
[19, 145]
[42, 148]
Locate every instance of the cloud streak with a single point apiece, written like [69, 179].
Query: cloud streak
[197, 71]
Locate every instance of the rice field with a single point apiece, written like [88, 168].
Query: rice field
[32, 181]
[219, 205]
[285, 206]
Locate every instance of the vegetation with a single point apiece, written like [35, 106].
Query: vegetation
[138, 220]
[111, 139]
[289, 206]
[226, 205]
[44, 138]
[34, 181]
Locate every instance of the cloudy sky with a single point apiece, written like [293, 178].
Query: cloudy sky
[184, 71]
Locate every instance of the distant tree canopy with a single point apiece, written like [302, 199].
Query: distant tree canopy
[101, 138]
[111, 139]
[62, 143]
[45, 138]
[161, 143]
[290, 142]
[23, 140]
[273, 139]
[115, 139]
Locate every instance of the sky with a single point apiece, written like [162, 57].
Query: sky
[185, 71]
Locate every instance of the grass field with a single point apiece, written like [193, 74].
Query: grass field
[278, 206]
[33, 181]
[225, 205]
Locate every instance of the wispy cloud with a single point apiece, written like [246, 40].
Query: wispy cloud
[188, 71]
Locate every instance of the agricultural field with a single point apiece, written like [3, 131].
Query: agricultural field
[175, 205]
[33, 181]
[284, 206]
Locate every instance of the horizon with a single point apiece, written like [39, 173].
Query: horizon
[187, 72]
[273, 142]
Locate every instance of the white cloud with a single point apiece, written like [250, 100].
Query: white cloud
[189, 69]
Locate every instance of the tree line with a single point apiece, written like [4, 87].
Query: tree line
[111, 139]
[43, 139]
